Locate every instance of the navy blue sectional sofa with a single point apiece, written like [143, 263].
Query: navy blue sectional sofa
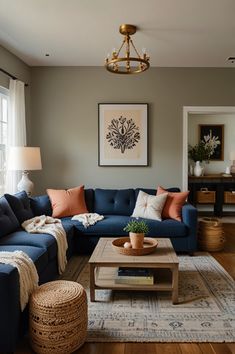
[115, 205]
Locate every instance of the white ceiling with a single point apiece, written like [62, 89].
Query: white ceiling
[176, 33]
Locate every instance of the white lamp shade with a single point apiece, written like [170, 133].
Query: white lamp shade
[232, 156]
[24, 158]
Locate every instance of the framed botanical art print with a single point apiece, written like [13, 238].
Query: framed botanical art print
[214, 134]
[123, 134]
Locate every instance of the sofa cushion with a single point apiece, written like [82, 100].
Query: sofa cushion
[23, 238]
[174, 204]
[41, 205]
[113, 225]
[8, 220]
[67, 202]
[166, 228]
[38, 255]
[149, 206]
[110, 225]
[114, 201]
[20, 205]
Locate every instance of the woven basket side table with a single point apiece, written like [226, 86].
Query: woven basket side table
[211, 235]
[58, 317]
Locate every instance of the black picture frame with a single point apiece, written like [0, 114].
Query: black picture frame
[216, 130]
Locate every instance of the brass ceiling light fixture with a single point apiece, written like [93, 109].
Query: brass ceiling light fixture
[127, 63]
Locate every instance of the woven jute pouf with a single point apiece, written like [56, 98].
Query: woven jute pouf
[211, 235]
[58, 317]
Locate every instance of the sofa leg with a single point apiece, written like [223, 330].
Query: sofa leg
[191, 254]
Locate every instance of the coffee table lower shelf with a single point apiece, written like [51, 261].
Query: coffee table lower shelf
[104, 278]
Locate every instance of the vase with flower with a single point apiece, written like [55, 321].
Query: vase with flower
[202, 152]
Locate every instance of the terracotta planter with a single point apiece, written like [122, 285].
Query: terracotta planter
[137, 240]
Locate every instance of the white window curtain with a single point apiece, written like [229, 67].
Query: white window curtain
[16, 128]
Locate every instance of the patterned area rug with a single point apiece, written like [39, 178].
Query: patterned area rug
[205, 313]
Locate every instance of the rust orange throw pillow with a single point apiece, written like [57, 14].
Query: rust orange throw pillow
[173, 205]
[67, 202]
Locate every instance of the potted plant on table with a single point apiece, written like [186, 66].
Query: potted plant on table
[202, 152]
[199, 153]
[137, 230]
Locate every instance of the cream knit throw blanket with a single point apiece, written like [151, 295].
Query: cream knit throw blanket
[28, 275]
[47, 225]
[88, 219]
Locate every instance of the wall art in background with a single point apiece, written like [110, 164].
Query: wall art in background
[213, 134]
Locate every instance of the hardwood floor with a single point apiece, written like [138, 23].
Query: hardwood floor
[227, 259]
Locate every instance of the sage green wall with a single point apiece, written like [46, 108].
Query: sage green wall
[65, 121]
[22, 71]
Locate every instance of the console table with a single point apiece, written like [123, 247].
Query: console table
[217, 189]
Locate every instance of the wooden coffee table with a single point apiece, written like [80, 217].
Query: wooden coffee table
[104, 262]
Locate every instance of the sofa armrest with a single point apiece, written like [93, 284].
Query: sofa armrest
[189, 218]
[9, 307]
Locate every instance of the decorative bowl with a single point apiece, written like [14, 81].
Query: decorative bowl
[150, 244]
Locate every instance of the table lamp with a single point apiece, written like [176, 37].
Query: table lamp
[232, 158]
[24, 158]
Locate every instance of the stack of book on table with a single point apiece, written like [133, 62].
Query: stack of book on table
[134, 276]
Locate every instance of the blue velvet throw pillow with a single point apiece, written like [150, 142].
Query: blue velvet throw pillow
[41, 205]
[20, 204]
[8, 220]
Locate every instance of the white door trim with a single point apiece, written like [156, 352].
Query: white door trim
[197, 110]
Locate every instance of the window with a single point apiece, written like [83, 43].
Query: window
[4, 106]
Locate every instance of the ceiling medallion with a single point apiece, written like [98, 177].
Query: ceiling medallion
[127, 63]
